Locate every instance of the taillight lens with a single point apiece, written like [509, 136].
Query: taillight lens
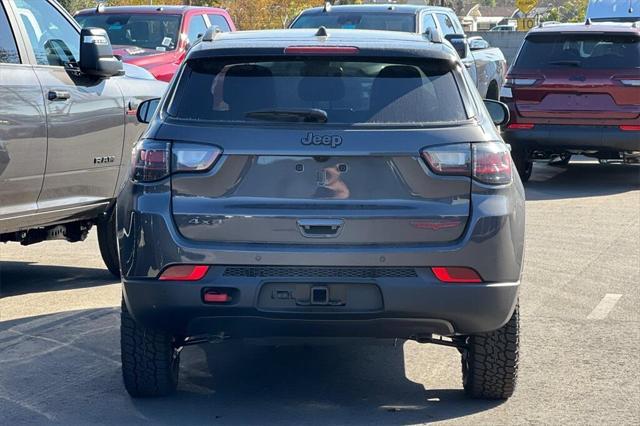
[193, 157]
[486, 162]
[448, 274]
[153, 160]
[150, 160]
[452, 159]
[491, 163]
[521, 81]
[184, 273]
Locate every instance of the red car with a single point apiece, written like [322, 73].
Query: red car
[575, 89]
[155, 37]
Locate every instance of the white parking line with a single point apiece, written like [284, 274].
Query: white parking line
[604, 307]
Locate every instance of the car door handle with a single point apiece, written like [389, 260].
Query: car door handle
[58, 95]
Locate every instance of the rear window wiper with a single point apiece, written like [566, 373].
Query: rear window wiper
[565, 62]
[304, 115]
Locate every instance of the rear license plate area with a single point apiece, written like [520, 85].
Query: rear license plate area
[320, 297]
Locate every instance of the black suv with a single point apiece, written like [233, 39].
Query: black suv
[321, 183]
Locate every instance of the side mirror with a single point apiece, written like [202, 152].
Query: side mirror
[96, 54]
[146, 110]
[478, 44]
[460, 43]
[498, 111]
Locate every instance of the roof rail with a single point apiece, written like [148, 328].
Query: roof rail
[211, 33]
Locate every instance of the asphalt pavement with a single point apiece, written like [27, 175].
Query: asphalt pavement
[59, 337]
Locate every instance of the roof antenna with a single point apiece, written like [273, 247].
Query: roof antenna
[630, 7]
[322, 32]
[327, 7]
[100, 6]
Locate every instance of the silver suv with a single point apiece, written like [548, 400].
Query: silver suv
[329, 183]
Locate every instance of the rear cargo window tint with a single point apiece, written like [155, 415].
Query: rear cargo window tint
[591, 51]
[347, 92]
[405, 22]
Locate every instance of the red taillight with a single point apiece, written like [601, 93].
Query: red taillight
[153, 160]
[216, 297]
[521, 126]
[150, 161]
[456, 274]
[491, 163]
[486, 162]
[630, 128]
[321, 50]
[184, 273]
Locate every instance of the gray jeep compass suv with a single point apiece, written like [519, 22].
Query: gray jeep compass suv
[314, 183]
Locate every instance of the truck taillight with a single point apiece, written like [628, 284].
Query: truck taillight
[486, 162]
[153, 160]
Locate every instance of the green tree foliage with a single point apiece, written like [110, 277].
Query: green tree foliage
[570, 11]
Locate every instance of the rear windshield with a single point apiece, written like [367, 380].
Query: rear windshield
[145, 30]
[405, 22]
[591, 51]
[339, 91]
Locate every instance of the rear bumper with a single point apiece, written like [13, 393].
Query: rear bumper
[408, 305]
[609, 138]
[410, 308]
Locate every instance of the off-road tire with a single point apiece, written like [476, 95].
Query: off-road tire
[150, 360]
[107, 241]
[523, 163]
[490, 362]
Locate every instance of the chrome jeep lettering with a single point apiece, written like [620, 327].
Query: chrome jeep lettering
[329, 140]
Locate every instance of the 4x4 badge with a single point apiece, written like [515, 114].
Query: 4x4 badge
[331, 140]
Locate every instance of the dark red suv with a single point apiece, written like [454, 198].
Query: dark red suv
[155, 37]
[575, 89]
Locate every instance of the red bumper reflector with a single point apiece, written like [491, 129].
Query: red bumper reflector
[184, 273]
[630, 128]
[215, 297]
[454, 274]
[520, 126]
[321, 50]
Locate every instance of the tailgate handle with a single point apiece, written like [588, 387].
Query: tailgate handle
[320, 228]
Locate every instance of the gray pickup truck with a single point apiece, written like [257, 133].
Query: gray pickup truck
[67, 124]
[486, 65]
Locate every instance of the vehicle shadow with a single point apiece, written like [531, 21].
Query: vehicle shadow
[581, 179]
[31, 277]
[65, 367]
